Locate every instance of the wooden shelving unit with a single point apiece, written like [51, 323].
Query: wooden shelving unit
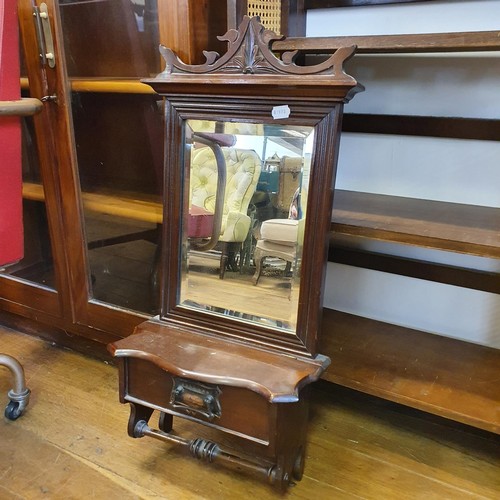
[448, 377]
[444, 376]
[440, 375]
[453, 227]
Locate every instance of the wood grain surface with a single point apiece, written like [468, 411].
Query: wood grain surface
[72, 443]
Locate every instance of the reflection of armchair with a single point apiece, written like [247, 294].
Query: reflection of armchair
[242, 174]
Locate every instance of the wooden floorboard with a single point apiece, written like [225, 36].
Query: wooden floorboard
[72, 443]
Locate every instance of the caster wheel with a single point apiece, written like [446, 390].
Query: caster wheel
[13, 410]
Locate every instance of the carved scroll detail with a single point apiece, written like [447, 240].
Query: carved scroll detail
[249, 53]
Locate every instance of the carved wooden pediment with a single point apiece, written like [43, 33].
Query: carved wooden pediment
[249, 53]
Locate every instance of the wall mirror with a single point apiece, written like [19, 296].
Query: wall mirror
[250, 155]
[251, 146]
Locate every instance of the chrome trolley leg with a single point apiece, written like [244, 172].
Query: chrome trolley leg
[19, 396]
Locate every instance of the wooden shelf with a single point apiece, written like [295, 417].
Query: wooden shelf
[184, 353]
[444, 226]
[116, 86]
[439, 225]
[440, 375]
[103, 85]
[474, 279]
[146, 210]
[463, 41]
[479, 129]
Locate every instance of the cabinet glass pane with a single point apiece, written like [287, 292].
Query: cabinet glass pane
[110, 38]
[119, 135]
[37, 265]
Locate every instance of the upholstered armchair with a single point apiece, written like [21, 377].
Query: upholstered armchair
[242, 168]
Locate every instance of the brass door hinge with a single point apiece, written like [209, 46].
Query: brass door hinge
[44, 35]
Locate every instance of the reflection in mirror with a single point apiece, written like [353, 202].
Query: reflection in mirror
[245, 196]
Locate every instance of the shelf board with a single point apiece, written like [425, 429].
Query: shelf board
[474, 279]
[103, 85]
[463, 41]
[480, 129]
[444, 226]
[116, 86]
[447, 377]
[142, 209]
[439, 225]
[184, 353]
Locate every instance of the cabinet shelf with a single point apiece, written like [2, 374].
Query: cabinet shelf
[116, 86]
[468, 229]
[462, 41]
[445, 226]
[444, 376]
[128, 206]
[103, 85]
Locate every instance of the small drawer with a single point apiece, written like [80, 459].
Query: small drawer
[232, 409]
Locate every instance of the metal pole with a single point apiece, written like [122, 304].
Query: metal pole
[17, 370]
[26, 106]
[204, 450]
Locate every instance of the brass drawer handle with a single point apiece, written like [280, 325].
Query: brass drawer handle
[196, 399]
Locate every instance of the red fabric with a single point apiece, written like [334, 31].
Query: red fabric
[200, 222]
[11, 229]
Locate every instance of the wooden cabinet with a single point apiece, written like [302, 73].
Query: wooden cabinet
[93, 161]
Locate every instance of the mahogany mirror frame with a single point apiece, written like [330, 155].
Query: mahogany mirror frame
[245, 85]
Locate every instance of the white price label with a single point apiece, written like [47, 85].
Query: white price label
[281, 112]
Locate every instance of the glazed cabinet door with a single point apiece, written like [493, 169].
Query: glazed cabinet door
[117, 123]
[117, 129]
[37, 285]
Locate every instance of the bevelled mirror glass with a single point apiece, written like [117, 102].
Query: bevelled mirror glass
[244, 212]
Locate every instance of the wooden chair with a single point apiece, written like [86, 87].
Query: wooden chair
[279, 238]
